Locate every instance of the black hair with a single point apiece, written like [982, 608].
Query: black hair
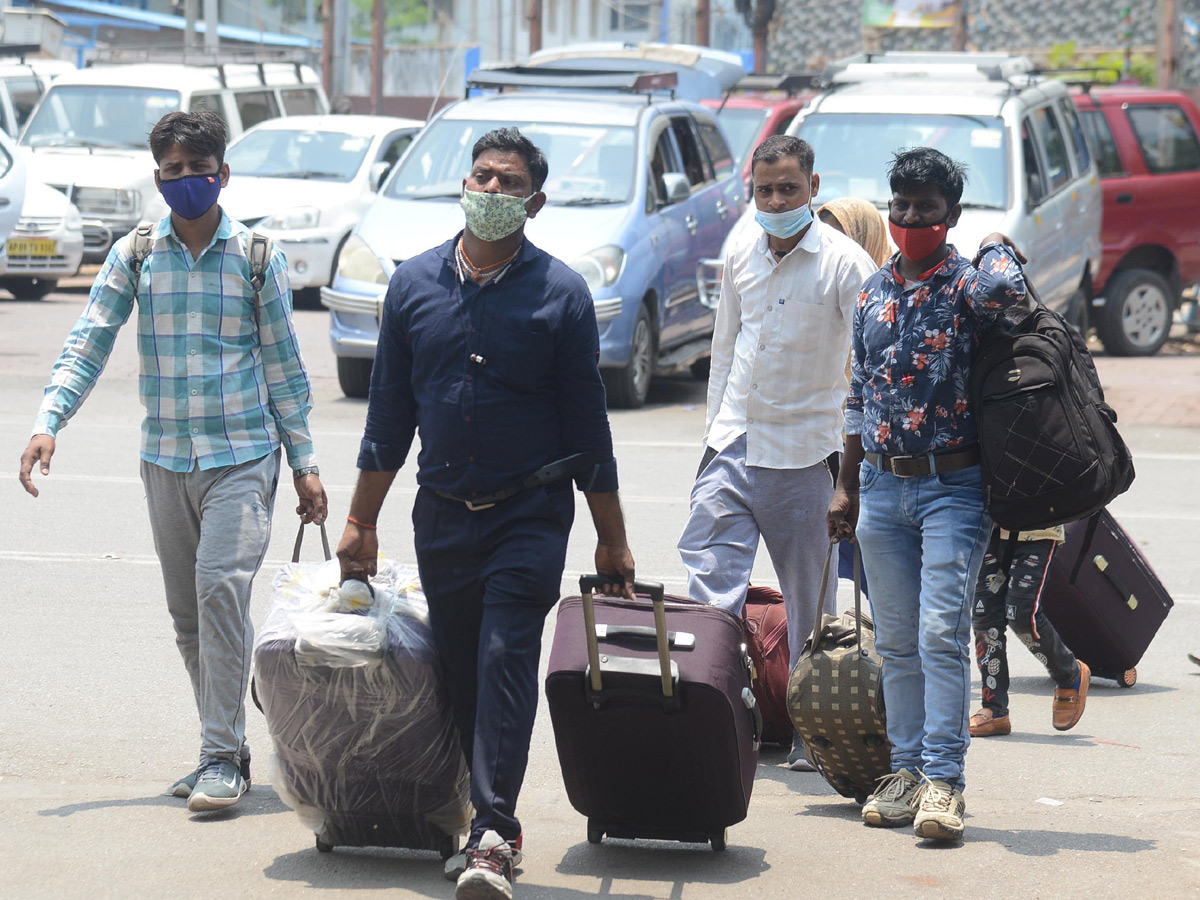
[919, 166]
[777, 146]
[201, 132]
[510, 140]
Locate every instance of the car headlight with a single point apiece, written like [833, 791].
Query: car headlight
[300, 217]
[602, 267]
[358, 262]
[73, 220]
[107, 201]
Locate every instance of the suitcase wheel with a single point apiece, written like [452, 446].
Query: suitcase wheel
[595, 832]
[448, 846]
[1128, 678]
[323, 847]
[717, 839]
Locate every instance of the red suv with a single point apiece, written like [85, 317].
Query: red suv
[757, 107]
[1148, 154]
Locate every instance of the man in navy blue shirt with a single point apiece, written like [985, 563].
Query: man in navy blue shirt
[918, 499]
[489, 347]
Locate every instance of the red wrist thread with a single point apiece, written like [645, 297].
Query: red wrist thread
[354, 521]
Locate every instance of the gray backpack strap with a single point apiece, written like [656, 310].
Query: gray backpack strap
[259, 248]
[142, 244]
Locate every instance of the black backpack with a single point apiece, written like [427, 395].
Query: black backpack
[1050, 449]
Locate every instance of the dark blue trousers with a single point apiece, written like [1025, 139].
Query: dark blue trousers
[490, 577]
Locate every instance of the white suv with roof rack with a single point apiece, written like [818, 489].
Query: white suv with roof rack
[87, 136]
[1029, 172]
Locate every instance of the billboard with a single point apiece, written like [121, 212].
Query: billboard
[909, 13]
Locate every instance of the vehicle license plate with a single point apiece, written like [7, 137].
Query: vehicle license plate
[32, 247]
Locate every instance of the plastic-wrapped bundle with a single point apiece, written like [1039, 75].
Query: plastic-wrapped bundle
[366, 751]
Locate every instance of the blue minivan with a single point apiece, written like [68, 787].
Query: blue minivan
[641, 189]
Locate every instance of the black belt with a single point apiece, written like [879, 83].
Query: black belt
[929, 464]
[547, 474]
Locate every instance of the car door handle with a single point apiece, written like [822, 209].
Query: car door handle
[4, 201]
[691, 224]
[722, 209]
[1124, 198]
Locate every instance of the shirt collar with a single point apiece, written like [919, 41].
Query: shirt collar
[524, 254]
[811, 242]
[951, 263]
[166, 228]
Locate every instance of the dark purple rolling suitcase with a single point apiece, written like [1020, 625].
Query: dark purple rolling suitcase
[656, 726]
[1116, 604]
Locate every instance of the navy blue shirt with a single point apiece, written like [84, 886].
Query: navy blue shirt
[499, 380]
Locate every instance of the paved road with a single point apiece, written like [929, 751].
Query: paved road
[96, 715]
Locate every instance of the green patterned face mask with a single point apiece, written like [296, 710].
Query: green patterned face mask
[493, 217]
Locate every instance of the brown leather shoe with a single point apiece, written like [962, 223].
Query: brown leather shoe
[1068, 703]
[985, 724]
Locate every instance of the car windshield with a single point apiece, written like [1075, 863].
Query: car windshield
[589, 164]
[743, 127]
[287, 153]
[853, 152]
[89, 115]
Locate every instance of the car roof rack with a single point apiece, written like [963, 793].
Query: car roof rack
[256, 58]
[20, 51]
[790, 83]
[1085, 83]
[965, 66]
[632, 82]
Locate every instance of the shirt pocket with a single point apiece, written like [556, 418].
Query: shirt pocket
[521, 356]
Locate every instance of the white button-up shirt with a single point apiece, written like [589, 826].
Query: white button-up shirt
[780, 345]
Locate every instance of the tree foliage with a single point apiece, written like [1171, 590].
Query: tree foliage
[1143, 67]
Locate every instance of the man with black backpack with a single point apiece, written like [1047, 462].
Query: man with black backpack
[224, 386]
[918, 500]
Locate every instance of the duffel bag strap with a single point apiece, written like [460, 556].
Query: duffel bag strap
[300, 540]
[814, 640]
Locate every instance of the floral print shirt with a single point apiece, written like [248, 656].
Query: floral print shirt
[913, 345]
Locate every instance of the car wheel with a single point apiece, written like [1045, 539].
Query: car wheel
[29, 288]
[1077, 312]
[354, 375]
[627, 387]
[1136, 317]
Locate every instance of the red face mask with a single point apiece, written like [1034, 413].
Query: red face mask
[917, 242]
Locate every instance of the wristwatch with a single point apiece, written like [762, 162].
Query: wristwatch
[307, 470]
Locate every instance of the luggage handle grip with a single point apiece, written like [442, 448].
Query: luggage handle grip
[1102, 564]
[587, 584]
[300, 540]
[684, 640]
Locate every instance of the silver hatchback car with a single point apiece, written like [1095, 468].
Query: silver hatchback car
[1029, 172]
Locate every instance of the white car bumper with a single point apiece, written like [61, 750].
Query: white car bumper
[42, 248]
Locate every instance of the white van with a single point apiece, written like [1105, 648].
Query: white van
[22, 83]
[1029, 173]
[87, 136]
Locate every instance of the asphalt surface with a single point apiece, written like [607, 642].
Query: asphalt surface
[96, 716]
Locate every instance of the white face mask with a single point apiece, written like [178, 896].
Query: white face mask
[493, 217]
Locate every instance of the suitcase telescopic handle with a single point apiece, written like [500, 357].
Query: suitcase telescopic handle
[588, 584]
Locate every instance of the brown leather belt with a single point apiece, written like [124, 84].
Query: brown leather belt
[929, 464]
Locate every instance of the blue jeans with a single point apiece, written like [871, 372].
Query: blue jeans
[923, 540]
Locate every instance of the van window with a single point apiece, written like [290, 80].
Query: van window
[718, 150]
[689, 147]
[663, 161]
[25, 92]
[1054, 148]
[1099, 135]
[208, 101]
[300, 101]
[1035, 183]
[92, 115]
[1083, 158]
[1166, 137]
[256, 106]
[394, 146]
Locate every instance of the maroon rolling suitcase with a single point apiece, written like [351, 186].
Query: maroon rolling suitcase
[1111, 610]
[767, 642]
[656, 726]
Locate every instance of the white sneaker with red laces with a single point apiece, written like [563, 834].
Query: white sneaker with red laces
[489, 872]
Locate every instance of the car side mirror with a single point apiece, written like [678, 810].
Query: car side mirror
[379, 171]
[676, 187]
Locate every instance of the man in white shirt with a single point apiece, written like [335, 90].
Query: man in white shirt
[775, 394]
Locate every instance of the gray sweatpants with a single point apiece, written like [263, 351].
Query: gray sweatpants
[732, 506]
[211, 529]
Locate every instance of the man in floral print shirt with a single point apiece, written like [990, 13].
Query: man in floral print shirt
[910, 479]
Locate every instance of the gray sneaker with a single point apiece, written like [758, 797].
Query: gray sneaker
[940, 812]
[184, 786]
[797, 759]
[219, 786]
[894, 802]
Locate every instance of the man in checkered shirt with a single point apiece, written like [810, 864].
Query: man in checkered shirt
[224, 387]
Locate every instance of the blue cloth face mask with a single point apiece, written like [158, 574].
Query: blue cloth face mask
[785, 224]
[192, 195]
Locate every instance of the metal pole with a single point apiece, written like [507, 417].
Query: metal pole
[535, 26]
[703, 23]
[960, 26]
[341, 47]
[1168, 47]
[378, 26]
[189, 31]
[212, 39]
[327, 47]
